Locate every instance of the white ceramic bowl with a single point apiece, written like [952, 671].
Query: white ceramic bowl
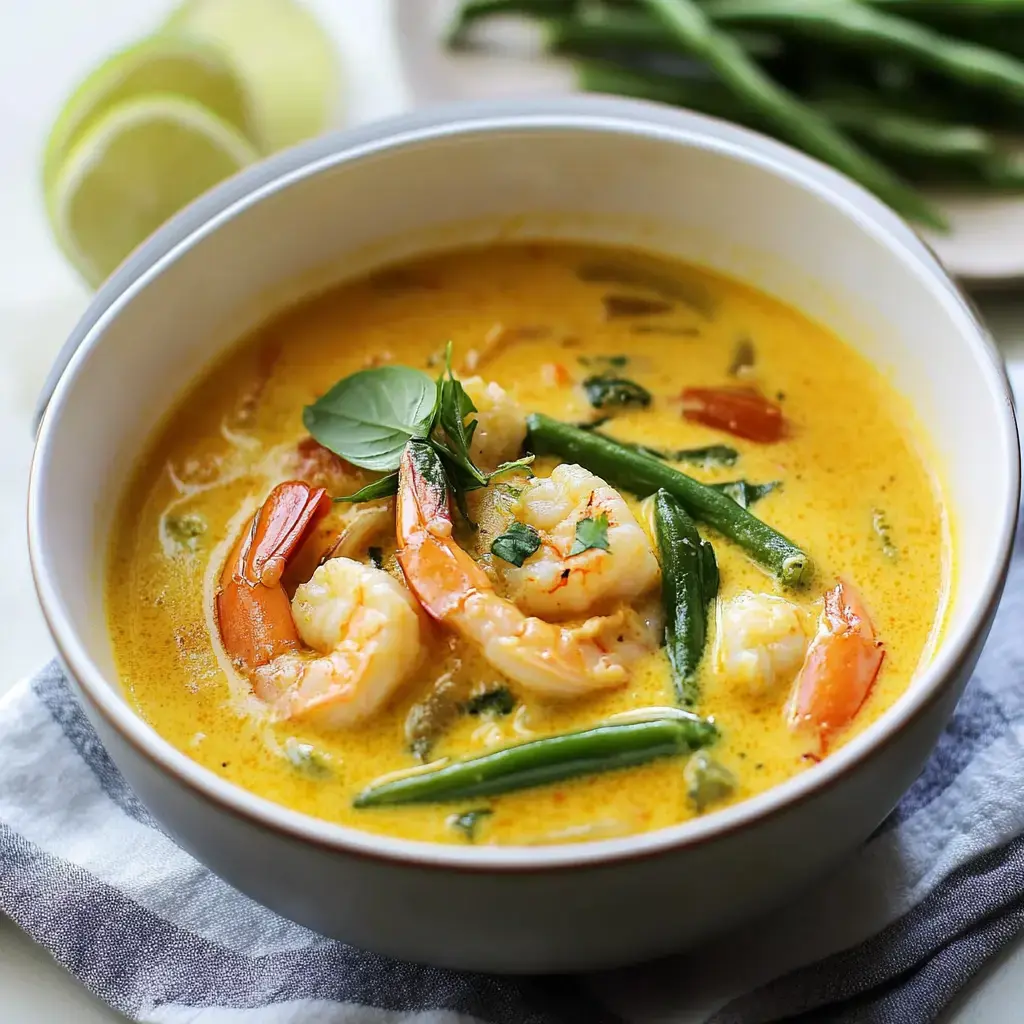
[583, 168]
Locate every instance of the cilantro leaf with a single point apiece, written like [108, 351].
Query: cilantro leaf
[591, 533]
[516, 544]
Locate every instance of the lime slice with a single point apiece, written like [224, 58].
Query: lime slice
[166, 65]
[132, 169]
[283, 56]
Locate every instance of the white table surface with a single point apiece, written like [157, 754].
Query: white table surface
[45, 46]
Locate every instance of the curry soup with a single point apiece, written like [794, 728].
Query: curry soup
[571, 601]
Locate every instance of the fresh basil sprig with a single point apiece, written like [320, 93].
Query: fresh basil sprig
[369, 417]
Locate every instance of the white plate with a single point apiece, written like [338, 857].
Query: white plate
[986, 243]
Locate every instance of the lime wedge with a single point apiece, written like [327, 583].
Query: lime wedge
[132, 169]
[283, 56]
[165, 65]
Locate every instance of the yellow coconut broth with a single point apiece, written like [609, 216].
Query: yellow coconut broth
[852, 450]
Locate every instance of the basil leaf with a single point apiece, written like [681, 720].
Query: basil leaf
[367, 418]
[498, 701]
[382, 488]
[468, 821]
[516, 544]
[591, 533]
[454, 406]
[615, 392]
[745, 493]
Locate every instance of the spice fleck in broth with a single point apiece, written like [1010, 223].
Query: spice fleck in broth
[725, 559]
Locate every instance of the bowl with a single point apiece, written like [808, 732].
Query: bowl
[588, 169]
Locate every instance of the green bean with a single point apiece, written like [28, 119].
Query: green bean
[791, 118]
[895, 132]
[605, 29]
[684, 559]
[952, 8]
[547, 760]
[856, 25]
[643, 475]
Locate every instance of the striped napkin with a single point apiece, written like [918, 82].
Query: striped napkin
[891, 937]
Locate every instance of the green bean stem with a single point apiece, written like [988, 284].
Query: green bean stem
[644, 475]
[791, 118]
[547, 760]
[685, 593]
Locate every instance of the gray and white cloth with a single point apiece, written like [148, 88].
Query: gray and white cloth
[890, 937]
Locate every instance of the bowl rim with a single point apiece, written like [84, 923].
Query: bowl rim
[582, 113]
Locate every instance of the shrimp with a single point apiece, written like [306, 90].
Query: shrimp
[760, 641]
[557, 584]
[841, 666]
[347, 641]
[500, 424]
[550, 660]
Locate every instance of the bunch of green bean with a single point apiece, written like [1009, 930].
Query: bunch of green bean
[895, 93]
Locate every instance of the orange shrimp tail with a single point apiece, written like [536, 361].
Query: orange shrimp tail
[841, 666]
[438, 572]
[254, 614]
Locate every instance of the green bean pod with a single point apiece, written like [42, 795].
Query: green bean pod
[547, 760]
[792, 119]
[689, 578]
[644, 475]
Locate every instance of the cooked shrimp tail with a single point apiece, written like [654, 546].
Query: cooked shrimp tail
[549, 659]
[253, 612]
[336, 652]
[840, 668]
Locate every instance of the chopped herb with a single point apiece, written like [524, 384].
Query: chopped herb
[498, 701]
[617, 392]
[593, 424]
[690, 293]
[880, 524]
[376, 557]
[591, 533]
[607, 362]
[185, 530]
[745, 493]
[382, 488]
[707, 781]
[516, 544]
[467, 822]
[743, 357]
[307, 759]
[708, 456]
[622, 306]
